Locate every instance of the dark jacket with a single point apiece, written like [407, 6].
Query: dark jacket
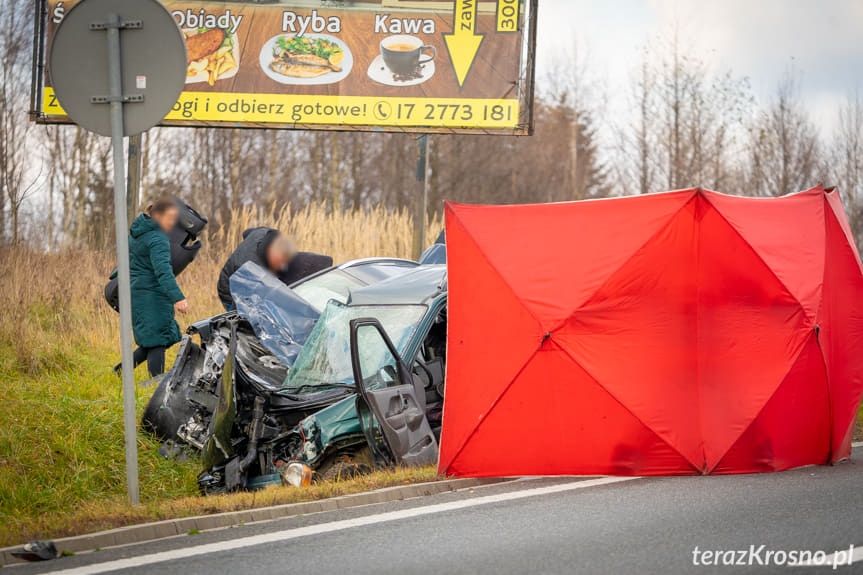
[154, 288]
[252, 249]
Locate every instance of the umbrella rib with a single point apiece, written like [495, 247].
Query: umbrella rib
[624, 406]
[769, 399]
[839, 221]
[829, 208]
[599, 288]
[698, 387]
[491, 408]
[760, 258]
[830, 414]
[494, 268]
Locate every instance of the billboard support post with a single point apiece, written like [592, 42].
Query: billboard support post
[133, 181]
[426, 192]
[421, 213]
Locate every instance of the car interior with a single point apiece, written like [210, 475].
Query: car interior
[429, 371]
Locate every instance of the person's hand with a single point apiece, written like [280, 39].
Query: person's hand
[182, 306]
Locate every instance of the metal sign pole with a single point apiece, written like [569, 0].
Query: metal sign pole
[121, 226]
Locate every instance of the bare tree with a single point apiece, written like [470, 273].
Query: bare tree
[784, 148]
[78, 170]
[687, 123]
[17, 178]
[847, 161]
[636, 146]
[569, 112]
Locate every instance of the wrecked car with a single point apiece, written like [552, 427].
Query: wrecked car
[380, 356]
[255, 345]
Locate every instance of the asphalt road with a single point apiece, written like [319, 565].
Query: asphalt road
[535, 526]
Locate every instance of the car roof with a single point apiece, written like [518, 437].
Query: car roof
[373, 271]
[417, 286]
[365, 270]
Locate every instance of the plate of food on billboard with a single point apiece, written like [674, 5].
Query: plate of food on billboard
[213, 54]
[312, 59]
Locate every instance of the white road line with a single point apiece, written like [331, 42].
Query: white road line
[857, 444]
[295, 533]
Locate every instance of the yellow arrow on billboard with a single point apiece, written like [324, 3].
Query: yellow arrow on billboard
[463, 44]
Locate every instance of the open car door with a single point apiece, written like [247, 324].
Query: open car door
[391, 410]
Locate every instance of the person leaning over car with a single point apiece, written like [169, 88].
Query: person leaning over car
[155, 293]
[264, 246]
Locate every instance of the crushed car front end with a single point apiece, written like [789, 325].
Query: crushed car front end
[263, 338]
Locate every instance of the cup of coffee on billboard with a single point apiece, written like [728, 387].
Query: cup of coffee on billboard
[403, 54]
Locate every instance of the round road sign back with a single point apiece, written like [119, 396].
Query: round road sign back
[153, 61]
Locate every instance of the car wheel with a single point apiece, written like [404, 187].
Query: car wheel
[151, 419]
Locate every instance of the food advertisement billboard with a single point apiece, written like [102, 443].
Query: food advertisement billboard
[385, 65]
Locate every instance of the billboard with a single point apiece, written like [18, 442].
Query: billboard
[463, 66]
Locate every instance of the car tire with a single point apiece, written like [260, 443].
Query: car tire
[169, 407]
[151, 420]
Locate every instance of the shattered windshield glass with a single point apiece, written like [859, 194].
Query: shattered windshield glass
[280, 318]
[326, 358]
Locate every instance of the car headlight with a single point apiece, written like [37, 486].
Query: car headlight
[297, 474]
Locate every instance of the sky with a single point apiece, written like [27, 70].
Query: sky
[759, 39]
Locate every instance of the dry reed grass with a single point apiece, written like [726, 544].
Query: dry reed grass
[57, 298]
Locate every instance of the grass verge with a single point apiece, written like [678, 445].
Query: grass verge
[98, 515]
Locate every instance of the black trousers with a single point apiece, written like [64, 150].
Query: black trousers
[155, 358]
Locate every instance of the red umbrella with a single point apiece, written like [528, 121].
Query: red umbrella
[679, 333]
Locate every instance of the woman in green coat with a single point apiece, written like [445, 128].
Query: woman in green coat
[155, 293]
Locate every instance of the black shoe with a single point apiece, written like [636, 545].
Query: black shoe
[118, 370]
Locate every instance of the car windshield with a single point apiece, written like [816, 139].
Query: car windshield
[325, 360]
[333, 285]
